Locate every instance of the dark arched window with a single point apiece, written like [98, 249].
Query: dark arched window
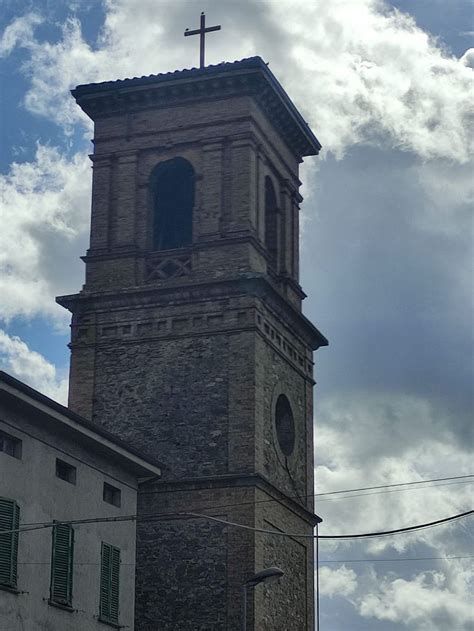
[172, 189]
[271, 221]
[285, 425]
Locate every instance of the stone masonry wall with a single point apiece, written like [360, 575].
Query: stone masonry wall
[170, 398]
[289, 604]
[275, 377]
[192, 569]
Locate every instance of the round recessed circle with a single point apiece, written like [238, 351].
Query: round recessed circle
[285, 425]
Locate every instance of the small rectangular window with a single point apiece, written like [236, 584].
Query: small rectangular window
[10, 445]
[65, 471]
[62, 565]
[109, 584]
[9, 520]
[112, 495]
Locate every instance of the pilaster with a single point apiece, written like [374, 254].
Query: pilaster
[100, 211]
[125, 186]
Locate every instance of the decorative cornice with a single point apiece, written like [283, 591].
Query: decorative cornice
[246, 77]
[248, 283]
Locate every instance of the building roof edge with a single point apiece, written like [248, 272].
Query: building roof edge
[37, 397]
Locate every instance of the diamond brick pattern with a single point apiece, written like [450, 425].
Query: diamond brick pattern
[163, 268]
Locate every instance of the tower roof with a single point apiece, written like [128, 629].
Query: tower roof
[248, 76]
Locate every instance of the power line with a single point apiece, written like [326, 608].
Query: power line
[188, 515]
[325, 499]
[389, 490]
[400, 530]
[320, 561]
[253, 502]
[356, 536]
[364, 488]
[394, 559]
[386, 486]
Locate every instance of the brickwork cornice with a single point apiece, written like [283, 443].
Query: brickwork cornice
[254, 284]
[250, 76]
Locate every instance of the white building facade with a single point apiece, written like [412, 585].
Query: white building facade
[57, 467]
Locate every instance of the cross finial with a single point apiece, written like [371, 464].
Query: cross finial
[202, 30]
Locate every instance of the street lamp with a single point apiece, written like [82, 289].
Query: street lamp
[264, 576]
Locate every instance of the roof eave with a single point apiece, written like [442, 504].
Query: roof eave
[88, 96]
[140, 463]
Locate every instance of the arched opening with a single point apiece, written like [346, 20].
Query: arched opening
[172, 189]
[285, 425]
[271, 221]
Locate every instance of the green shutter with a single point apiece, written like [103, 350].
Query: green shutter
[109, 583]
[9, 520]
[62, 564]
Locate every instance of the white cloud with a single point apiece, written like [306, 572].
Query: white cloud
[339, 582]
[18, 33]
[425, 603]
[468, 58]
[360, 71]
[29, 366]
[44, 205]
[374, 72]
[384, 439]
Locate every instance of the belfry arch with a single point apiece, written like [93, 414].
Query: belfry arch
[172, 188]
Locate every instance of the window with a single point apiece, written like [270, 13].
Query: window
[109, 584]
[10, 445]
[271, 221]
[65, 471]
[284, 425]
[112, 495]
[9, 520]
[172, 190]
[62, 565]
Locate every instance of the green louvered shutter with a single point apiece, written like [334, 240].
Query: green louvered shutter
[62, 564]
[9, 520]
[109, 583]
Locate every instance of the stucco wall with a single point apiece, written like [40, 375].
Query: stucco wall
[43, 497]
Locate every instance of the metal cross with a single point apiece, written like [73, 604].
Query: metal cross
[202, 30]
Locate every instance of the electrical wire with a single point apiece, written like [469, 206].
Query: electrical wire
[254, 502]
[382, 492]
[356, 536]
[320, 560]
[325, 499]
[187, 515]
[395, 559]
[386, 486]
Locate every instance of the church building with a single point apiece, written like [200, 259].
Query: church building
[189, 345]
[189, 342]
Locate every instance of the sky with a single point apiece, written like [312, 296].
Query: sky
[387, 251]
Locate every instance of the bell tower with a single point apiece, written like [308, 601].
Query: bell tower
[188, 340]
